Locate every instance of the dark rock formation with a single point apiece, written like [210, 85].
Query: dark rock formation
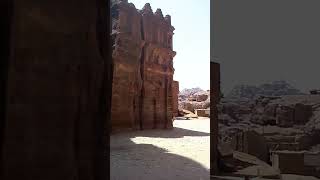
[302, 113]
[214, 127]
[281, 111]
[56, 86]
[143, 68]
[252, 143]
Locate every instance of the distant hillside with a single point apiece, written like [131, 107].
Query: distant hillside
[276, 88]
[189, 92]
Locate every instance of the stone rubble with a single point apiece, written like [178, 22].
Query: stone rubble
[280, 122]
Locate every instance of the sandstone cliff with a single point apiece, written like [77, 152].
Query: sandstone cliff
[143, 85]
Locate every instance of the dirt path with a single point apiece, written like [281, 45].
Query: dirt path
[179, 154]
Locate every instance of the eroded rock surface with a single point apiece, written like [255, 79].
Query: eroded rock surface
[194, 98]
[143, 83]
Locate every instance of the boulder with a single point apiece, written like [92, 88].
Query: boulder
[187, 114]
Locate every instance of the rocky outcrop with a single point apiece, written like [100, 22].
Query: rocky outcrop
[186, 93]
[276, 88]
[143, 68]
[284, 111]
[202, 96]
[194, 98]
[192, 105]
[287, 122]
[277, 123]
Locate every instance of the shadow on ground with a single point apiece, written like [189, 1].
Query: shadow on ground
[171, 133]
[146, 161]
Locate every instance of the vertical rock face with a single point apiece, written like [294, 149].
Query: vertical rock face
[143, 68]
[127, 81]
[175, 97]
[214, 128]
[55, 75]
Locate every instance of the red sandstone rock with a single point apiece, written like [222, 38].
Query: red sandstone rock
[127, 82]
[175, 98]
[143, 69]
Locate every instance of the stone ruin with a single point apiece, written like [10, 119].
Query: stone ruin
[144, 95]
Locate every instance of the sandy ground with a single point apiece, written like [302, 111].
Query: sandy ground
[179, 154]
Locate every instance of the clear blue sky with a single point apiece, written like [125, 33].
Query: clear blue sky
[191, 41]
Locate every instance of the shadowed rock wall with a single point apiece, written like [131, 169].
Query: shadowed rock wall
[143, 67]
[214, 128]
[56, 91]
